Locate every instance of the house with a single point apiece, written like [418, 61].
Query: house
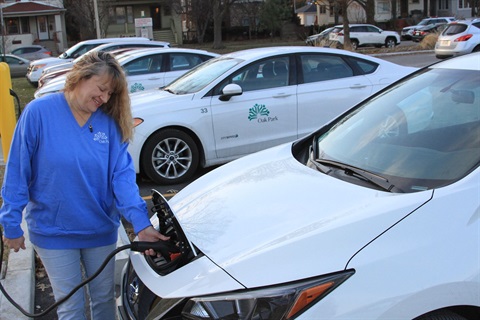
[321, 12]
[29, 22]
[43, 22]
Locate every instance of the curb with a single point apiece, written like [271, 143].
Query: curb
[19, 282]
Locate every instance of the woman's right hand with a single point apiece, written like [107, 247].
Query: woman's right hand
[15, 244]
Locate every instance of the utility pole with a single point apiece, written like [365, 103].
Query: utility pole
[97, 21]
[2, 32]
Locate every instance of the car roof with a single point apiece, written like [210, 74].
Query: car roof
[15, 56]
[256, 53]
[145, 41]
[464, 62]
[145, 51]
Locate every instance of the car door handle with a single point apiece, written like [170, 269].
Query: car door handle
[358, 86]
[281, 95]
[153, 78]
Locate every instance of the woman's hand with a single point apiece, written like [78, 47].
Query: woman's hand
[151, 235]
[15, 244]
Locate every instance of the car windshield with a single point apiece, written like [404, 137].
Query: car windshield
[424, 22]
[422, 133]
[199, 77]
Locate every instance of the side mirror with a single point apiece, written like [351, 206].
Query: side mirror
[229, 91]
[21, 62]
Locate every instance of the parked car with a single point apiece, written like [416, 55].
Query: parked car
[458, 38]
[18, 65]
[107, 47]
[36, 67]
[247, 101]
[146, 68]
[33, 52]
[375, 215]
[421, 32]
[316, 39]
[362, 35]
[407, 32]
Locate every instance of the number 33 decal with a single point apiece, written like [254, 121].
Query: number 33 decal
[203, 110]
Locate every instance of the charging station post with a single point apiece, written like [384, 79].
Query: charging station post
[7, 109]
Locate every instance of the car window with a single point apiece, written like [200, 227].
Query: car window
[265, 74]
[366, 66]
[184, 61]
[454, 29]
[372, 29]
[144, 65]
[322, 67]
[421, 134]
[476, 24]
[83, 49]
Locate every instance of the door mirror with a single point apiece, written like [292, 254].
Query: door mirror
[230, 90]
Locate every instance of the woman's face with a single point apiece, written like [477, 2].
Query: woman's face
[92, 93]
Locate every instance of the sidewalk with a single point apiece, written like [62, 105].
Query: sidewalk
[19, 277]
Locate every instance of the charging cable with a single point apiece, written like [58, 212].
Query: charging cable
[138, 246]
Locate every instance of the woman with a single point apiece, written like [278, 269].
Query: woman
[69, 168]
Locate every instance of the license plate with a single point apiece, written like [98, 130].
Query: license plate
[445, 43]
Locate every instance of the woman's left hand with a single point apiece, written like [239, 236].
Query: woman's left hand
[149, 234]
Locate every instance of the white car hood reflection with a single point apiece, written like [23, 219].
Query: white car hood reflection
[268, 219]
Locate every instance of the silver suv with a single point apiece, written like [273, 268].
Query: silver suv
[459, 37]
[407, 32]
[362, 35]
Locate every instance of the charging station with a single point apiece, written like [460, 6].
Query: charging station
[7, 109]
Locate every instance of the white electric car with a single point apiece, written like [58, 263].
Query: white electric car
[246, 101]
[376, 215]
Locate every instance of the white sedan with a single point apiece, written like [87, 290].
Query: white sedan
[146, 68]
[376, 215]
[247, 101]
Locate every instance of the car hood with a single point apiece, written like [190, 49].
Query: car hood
[145, 103]
[267, 219]
[52, 60]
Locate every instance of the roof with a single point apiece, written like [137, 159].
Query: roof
[30, 8]
[307, 8]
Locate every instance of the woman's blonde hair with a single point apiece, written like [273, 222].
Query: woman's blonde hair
[99, 63]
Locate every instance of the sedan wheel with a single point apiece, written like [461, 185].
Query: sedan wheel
[170, 156]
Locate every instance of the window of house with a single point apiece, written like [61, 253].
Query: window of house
[12, 26]
[121, 15]
[25, 25]
[323, 9]
[383, 6]
[443, 4]
[463, 4]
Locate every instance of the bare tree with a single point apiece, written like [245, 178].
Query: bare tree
[369, 7]
[251, 9]
[220, 8]
[198, 13]
[274, 14]
[81, 15]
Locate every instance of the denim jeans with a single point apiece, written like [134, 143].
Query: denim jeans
[64, 269]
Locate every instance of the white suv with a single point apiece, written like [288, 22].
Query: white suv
[407, 32]
[366, 35]
[459, 37]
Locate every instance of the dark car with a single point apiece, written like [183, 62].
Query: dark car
[421, 32]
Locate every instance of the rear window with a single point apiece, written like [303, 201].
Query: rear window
[455, 29]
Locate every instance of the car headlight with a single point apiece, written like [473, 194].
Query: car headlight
[275, 303]
[38, 66]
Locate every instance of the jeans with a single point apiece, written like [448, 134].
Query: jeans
[64, 269]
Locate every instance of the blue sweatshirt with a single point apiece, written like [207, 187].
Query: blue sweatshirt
[74, 183]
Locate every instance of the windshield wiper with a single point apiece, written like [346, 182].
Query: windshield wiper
[370, 177]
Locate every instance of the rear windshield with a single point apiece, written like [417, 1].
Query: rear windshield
[455, 29]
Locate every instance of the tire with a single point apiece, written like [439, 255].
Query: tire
[390, 43]
[354, 43]
[476, 49]
[441, 315]
[170, 156]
